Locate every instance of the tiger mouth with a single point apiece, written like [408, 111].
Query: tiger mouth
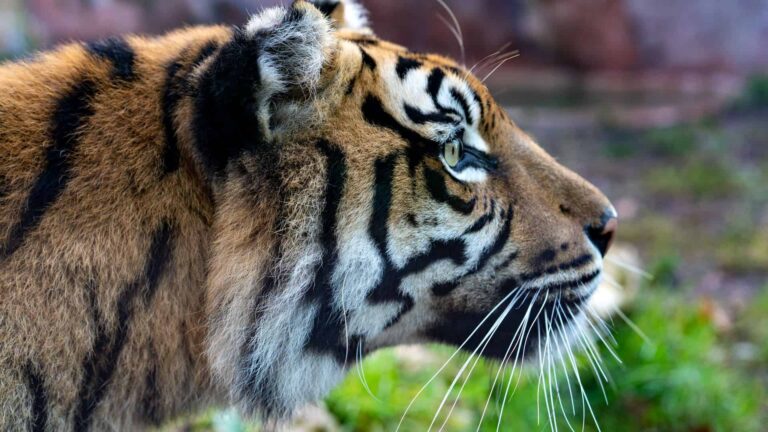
[574, 291]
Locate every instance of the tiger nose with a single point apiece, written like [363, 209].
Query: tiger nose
[601, 234]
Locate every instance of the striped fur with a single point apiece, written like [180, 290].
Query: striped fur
[226, 216]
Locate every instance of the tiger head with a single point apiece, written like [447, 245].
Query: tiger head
[410, 208]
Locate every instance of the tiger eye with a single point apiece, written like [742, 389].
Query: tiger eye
[452, 153]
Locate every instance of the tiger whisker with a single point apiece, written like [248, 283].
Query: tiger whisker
[584, 399]
[488, 58]
[361, 373]
[455, 34]
[517, 336]
[593, 362]
[600, 322]
[519, 357]
[635, 328]
[544, 375]
[466, 379]
[562, 362]
[506, 59]
[489, 334]
[552, 367]
[436, 374]
[456, 30]
[525, 343]
[562, 365]
[538, 383]
[602, 339]
[629, 267]
[570, 358]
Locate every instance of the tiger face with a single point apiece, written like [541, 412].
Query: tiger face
[432, 217]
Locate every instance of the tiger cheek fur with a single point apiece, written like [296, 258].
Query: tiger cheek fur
[239, 215]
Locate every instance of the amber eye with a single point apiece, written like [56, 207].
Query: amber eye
[452, 152]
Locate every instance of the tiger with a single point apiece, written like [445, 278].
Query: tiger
[235, 216]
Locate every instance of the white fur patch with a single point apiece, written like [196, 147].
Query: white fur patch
[355, 16]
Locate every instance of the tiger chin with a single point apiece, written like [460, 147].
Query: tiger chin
[236, 215]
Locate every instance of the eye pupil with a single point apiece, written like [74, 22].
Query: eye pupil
[452, 153]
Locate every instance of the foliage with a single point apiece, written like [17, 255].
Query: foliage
[756, 93]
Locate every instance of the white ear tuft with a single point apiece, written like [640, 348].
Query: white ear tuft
[355, 16]
[295, 44]
[345, 14]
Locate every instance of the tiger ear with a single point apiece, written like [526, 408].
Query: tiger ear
[344, 14]
[295, 45]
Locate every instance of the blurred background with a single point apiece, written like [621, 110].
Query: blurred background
[663, 104]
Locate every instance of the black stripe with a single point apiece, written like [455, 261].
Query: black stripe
[419, 117]
[206, 51]
[498, 245]
[5, 188]
[374, 113]
[71, 113]
[117, 51]
[170, 100]
[176, 86]
[388, 289]
[445, 288]
[326, 332]
[482, 221]
[479, 103]
[575, 263]
[434, 82]
[150, 400]
[404, 65]
[351, 86]
[462, 101]
[384, 172]
[454, 250]
[100, 364]
[501, 240]
[368, 60]
[438, 190]
[39, 409]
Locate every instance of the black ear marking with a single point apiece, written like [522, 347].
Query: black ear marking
[223, 122]
[327, 7]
